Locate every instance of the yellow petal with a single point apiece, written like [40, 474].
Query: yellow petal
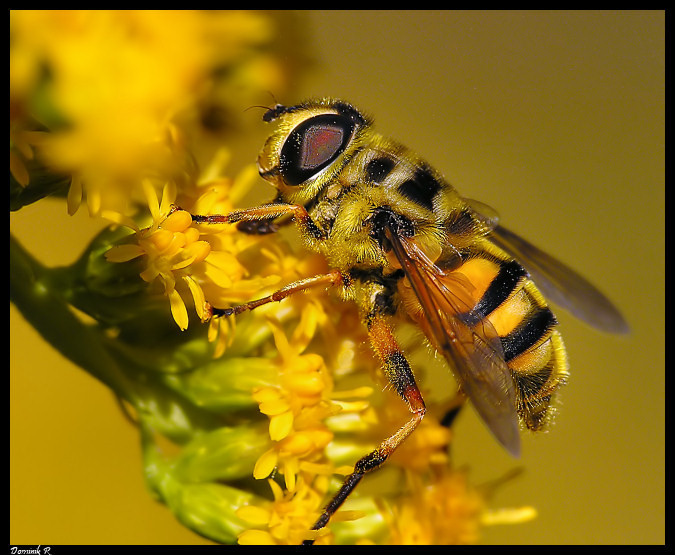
[149, 274]
[265, 394]
[255, 537]
[117, 218]
[160, 239]
[214, 328]
[93, 201]
[196, 252]
[310, 362]
[151, 198]
[290, 470]
[124, 253]
[353, 406]
[225, 261]
[175, 245]
[219, 332]
[277, 492]
[281, 425]
[178, 310]
[168, 197]
[321, 437]
[180, 220]
[301, 443]
[215, 167]
[168, 281]
[304, 332]
[74, 195]
[242, 183]
[255, 515]
[274, 407]
[197, 295]
[305, 383]
[191, 235]
[297, 444]
[216, 276]
[265, 464]
[21, 143]
[364, 391]
[342, 516]
[318, 468]
[281, 341]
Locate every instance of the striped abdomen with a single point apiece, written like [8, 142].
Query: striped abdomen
[533, 348]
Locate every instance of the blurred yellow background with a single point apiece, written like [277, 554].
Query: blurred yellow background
[556, 119]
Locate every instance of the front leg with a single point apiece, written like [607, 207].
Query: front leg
[267, 212]
[265, 227]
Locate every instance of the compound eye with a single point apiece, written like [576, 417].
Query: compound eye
[313, 145]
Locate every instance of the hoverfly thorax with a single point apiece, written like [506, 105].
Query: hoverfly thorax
[311, 143]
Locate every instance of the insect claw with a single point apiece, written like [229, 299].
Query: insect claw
[218, 312]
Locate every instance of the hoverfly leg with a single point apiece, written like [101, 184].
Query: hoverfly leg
[261, 220]
[400, 376]
[322, 280]
[258, 227]
[266, 213]
[265, 226]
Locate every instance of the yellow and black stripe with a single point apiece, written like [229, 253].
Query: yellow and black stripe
[533, 348]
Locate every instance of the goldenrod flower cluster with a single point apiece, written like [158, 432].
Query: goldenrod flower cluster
[248, 425]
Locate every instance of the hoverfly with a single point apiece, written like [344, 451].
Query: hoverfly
[402, 243]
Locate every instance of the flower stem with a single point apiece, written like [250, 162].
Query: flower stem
[47, 311]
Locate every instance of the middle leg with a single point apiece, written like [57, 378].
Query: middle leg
[334, 277]
[400, 375]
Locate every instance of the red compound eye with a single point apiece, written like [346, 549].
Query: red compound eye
[320, 145]
[313, 145]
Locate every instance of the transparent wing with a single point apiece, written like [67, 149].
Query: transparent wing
[562, 285]
[558, 282]
[472, 348]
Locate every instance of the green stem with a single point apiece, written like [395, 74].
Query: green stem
[46, 310]
[41, 294]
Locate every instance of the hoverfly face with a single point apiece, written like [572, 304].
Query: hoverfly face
[310, 140]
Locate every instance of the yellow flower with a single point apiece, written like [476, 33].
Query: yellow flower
[286, 520]
[110, 85]
[171, 245]
[22, 149]
[445, 511]
[298, 406]
[197, 260]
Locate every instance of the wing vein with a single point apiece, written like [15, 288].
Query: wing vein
[474, 352]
